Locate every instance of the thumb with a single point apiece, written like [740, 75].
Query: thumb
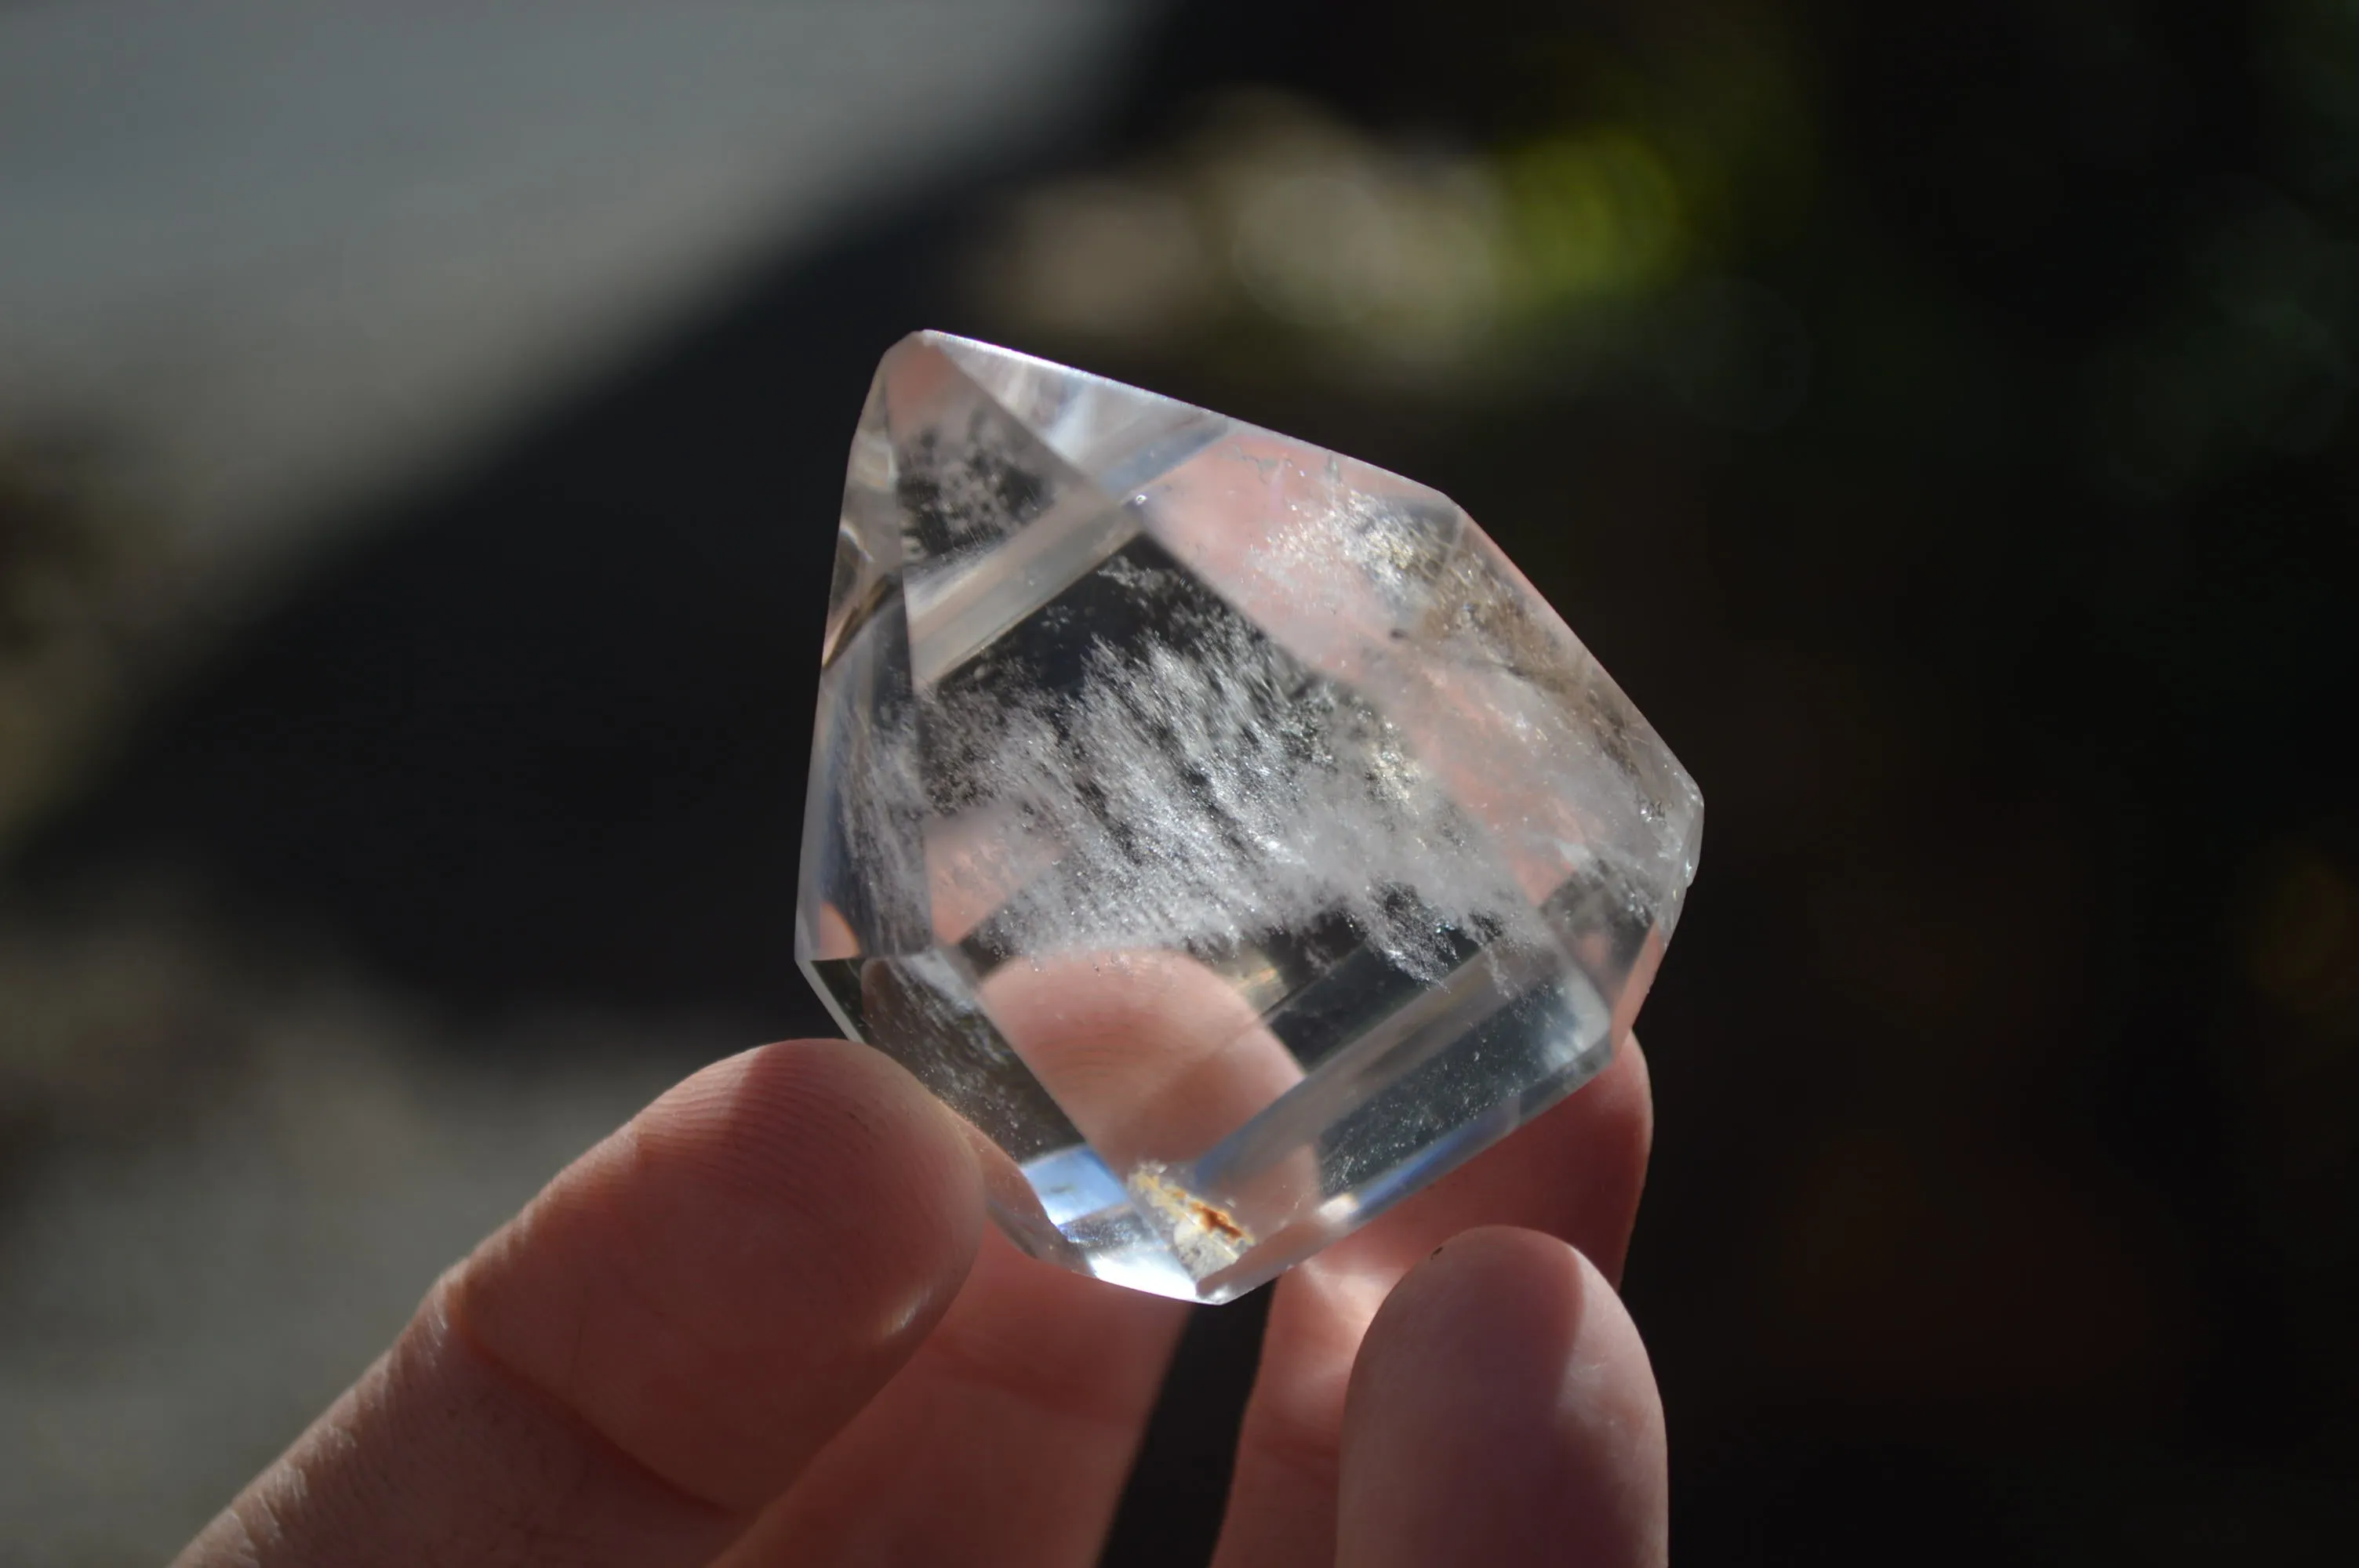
[655, 1346]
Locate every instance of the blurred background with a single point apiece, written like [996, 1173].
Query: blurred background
[421, 430]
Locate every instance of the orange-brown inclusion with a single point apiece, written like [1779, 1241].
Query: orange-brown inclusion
[1212, 1219]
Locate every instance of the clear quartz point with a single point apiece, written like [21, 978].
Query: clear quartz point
[1224, 828]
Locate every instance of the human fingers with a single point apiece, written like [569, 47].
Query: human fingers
[1007, 1437]
[655, 1346]
[1574, 1174]
[1005, 1441]
[1502, 1411]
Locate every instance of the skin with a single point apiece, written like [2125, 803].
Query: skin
[765, 1323]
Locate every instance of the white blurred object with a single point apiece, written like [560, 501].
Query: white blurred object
[275, 256]
[260, 262]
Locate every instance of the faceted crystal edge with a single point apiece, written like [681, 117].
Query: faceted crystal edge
[1063, 471]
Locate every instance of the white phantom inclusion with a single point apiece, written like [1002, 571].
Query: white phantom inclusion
[1223, 827]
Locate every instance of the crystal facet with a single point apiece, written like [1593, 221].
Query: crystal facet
[1223, 827]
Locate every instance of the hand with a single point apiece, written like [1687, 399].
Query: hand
[764, 1324]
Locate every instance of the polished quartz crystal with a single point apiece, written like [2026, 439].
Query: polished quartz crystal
[1224, 828]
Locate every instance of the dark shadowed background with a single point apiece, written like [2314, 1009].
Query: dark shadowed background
[419, 440]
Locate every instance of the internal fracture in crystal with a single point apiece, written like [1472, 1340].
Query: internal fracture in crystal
[1223, 827]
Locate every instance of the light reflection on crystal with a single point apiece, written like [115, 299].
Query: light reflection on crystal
[1221, 826]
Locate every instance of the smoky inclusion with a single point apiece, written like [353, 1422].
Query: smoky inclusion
[1224, 828]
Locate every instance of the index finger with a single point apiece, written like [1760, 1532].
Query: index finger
[655, 1346]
